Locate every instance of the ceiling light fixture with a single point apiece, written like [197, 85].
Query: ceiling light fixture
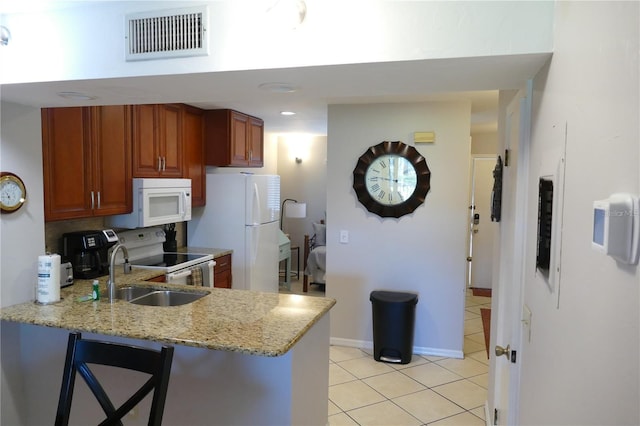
[278, 87]
[287, 113]
[76, 96]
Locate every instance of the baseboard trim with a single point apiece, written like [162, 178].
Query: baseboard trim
[418, 350]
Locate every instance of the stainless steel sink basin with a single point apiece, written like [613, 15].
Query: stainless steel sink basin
[167, 298]
[130, 292]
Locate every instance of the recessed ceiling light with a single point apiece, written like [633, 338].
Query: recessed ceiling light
[76, 96]
[278, 87]
[287, 113]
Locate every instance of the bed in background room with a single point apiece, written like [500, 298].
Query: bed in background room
[315, 256]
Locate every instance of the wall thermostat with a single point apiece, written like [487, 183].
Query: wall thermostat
[616, 227]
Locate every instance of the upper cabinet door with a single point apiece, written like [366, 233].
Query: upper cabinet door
[157, 141]
[146, 151]
[238, 139]
[233, 139]
[66, 156]
[86, 161]
[256, 142]
[170, 139]
[193, 150]
[112, 155]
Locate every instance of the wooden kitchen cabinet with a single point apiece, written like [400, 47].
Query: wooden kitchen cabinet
[157, 141]
[86, 161]
[233, 139]
[222, 272]
[193, 148]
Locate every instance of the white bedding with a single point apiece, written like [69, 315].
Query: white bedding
[316, 264]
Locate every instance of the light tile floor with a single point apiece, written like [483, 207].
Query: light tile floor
[427, 391]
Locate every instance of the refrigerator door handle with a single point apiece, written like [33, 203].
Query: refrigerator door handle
[255, 208]
[253, 249]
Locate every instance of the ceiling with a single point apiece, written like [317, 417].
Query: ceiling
[473, 79]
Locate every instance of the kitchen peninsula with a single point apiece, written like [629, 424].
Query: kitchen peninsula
[241, 357]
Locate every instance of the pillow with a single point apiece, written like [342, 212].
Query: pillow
[320, 230]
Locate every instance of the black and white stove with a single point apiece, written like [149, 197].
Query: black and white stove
[146, 252]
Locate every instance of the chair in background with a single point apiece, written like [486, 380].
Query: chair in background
[81, 352]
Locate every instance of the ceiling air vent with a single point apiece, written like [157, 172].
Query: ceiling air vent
[167, 34]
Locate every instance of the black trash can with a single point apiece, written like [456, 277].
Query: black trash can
[394, 316]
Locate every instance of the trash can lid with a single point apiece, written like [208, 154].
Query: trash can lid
[393, 297]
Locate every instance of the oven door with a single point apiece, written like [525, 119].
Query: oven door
[201, 274]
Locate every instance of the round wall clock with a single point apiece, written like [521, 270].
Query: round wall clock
[391, 179]
[13, 193]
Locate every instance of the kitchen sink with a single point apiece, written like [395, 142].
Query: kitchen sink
[130, 292]
[167, 298]
[153, 297]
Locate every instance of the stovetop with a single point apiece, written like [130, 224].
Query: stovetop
[164, 260]
[146, 251]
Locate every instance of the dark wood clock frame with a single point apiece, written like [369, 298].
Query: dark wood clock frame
[419, 163]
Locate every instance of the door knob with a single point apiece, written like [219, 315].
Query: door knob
[503, 351]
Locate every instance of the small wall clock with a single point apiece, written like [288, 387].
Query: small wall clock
[391, 179]
[13, 193]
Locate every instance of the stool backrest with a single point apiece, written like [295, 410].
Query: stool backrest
[81, 352]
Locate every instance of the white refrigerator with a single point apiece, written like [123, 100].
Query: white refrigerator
[242, 213]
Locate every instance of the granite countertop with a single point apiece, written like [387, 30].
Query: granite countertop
[266, 324]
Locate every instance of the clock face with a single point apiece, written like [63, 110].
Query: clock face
[12, 192]
[391, 179]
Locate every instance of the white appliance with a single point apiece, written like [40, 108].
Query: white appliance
[156, 201]
[144, 247]
[242, 214]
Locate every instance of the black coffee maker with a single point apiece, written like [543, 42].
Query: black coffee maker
[88, 252]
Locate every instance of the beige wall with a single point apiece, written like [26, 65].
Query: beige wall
[305, 181]
[582, 362]
[422, 252]
[484, 143]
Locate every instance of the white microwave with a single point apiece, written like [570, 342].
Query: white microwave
[156, 201]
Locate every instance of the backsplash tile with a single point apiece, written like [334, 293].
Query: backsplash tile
[53, 231]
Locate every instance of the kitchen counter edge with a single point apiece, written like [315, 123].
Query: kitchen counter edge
[264, 324]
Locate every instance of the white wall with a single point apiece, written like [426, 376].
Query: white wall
[423, 252]
[243, 36]
[22, 232]
[21, 239]
[582, 363]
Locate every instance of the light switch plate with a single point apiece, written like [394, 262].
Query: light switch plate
[344, 236]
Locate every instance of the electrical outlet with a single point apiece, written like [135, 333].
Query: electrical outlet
[344, 236]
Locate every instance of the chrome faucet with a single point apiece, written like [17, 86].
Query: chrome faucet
[111, 284]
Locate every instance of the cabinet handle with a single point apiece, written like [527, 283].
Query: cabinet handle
[164, 163]
[159, 163]
[92, 201]
[99, 203]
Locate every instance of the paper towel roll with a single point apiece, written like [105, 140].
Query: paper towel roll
[48, 290]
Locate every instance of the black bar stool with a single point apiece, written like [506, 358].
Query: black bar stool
[81, 352]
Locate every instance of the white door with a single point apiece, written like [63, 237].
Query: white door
[481, 228]
[504, 382]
